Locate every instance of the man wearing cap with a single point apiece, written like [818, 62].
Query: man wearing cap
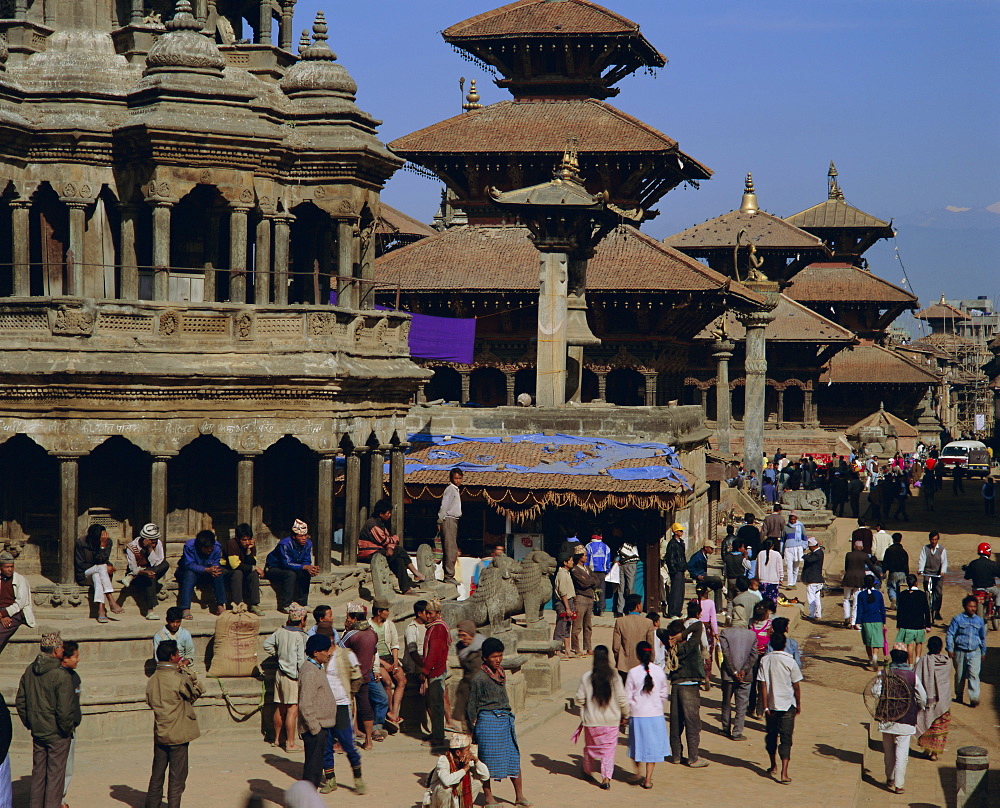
[287, 644]
[675, 558]
[289, 566]
[458, 777]
[599, 561]
[15, 600]
[361, 638]
[48, 704]
[812, 577]
[146, 564]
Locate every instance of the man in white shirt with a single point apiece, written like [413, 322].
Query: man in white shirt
[933, 565]
[780, 694]
[448, 516]
[880, 543]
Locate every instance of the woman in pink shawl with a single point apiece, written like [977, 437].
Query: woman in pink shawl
[935, 671]
[603, 709]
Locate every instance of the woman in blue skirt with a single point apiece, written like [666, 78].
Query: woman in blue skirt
[492, 722]
[646, 691]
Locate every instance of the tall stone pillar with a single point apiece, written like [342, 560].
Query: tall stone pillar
[550, 379]
[397, 479]
[158, 494]
[69, 501]
[282, 225]
[262, 263]
[704, 400]
[129, 283]
[20, 9]
[161, 249]
[808, 416]
[244, 489]
[285, 34]
[346, 290]
[509, 376]
[602, 385]
[324, 511]
[466, 379]
[376, 482]
[781, 407]
[755, 323]
[352, 501]
[136, 17]
[238, 254]
[722, 352]
[77, 227]
[20, 209]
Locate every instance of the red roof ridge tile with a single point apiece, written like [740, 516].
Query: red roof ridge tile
[472, 27]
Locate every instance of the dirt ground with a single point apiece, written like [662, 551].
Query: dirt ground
[833, 763]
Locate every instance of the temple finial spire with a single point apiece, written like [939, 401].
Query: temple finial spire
[472, 99]
[569, 166]
[749, 196]
[832, 185]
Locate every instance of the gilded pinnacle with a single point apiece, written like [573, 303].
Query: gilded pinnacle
[183, 19]
[749, 204]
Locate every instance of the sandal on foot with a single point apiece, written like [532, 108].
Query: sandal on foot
[103, 619]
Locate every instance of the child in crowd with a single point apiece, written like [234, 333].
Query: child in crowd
[172, 630]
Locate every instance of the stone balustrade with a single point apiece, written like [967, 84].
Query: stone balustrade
[222, 327]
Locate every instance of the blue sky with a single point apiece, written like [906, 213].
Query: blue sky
[901, 94]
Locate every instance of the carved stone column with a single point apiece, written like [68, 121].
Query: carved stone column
[466, 376]
[158, 493]
[136, 18]
[510, 388]
[422, 393]
[69, 502]
[20, 209]
[77, 226]
[602, 385]
[324, 511]
[20, 9]
[650, 389]
[238, 254]
[376, 483]
[282, 225]
[704, 400]
[346, 290]
[161, 248]
[781, 407]
[264, 25]
[808, 417]
[129, 284]
[352, 500]
[262, 263]
[397, 478]
[285, 34]
[722, 352]
[756, 384]
[244, 489]
[210, 292]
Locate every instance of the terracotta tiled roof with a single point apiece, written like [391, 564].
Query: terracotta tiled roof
[533, 126]
[837, 213]
[839, 282]
[542, 17]
[793, 322]
[873, 364]
[942, 311]
[395, 221]
[763, 229]
[499, 258]
[951, 344]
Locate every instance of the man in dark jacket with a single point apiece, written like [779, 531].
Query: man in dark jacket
[676, 560]
[896, 566]
[685, 690]
[739, 655]
[48, 704]
[376, 538]
[812, 577]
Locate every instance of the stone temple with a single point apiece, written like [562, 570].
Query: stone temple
[187, 238]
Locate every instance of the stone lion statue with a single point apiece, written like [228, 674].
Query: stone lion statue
[382, 577]
[806, 500]
[496, 597]
[534, 584]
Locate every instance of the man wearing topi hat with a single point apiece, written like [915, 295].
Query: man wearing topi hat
[15, 600]
[289, 566]
[458, 777]
[146, 560]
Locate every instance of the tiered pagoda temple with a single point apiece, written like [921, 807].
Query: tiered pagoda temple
[175, 213]
[560, 61]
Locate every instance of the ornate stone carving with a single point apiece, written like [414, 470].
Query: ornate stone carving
[320, 324]
[244, 325]
[73, 321]
[805, 500]
[206, 177]
[170, 323]
[534, 584]
[346, 207]
[496, 598]
[86, 192]
[246, 196]
[382, 577]
[319, 192]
